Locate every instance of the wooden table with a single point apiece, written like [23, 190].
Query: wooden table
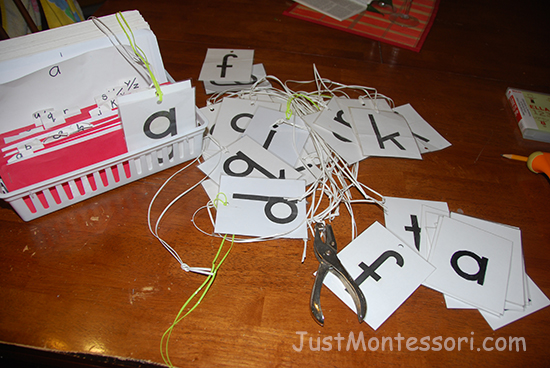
[90, 279]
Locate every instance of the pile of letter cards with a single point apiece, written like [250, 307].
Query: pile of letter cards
[252, 141]
[77, 95]
[474, 263]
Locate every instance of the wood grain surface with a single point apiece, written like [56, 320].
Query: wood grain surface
[92, 279]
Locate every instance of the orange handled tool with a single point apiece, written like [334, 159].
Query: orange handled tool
[538, 162]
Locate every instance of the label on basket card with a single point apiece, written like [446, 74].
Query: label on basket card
[148, 122]
[48, 96]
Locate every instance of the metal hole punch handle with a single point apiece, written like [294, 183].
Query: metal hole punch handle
[315, 300]
[325, 252]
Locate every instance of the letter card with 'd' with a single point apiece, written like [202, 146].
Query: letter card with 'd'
[261, 207]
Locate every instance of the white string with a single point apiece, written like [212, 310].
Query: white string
[130, 57]
[331, 189]
[154, 231]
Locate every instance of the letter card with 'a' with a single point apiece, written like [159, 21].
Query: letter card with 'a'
[149, 122]
[472, 265]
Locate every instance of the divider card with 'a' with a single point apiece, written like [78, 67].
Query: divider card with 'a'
[472, 265]
[262, 207]
[383, 133]
[21, 56]
[148, 122]
[403, 217]
[386, 270]
[227, 65]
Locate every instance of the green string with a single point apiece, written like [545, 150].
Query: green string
[218, 199]
[141, 55]
[288, 114]
[207, 283]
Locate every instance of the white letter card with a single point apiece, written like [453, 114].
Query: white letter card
[386, 270]
[262, 207]
[284, 138]
[403, 217]
[383, 133]
[227, 65]
[245, 158]
[334, 126]
[233, 118]
[147, 122]
[472, 265]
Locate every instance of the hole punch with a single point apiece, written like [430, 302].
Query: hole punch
[325, 251]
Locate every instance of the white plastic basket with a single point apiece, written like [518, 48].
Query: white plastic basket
[54, 194]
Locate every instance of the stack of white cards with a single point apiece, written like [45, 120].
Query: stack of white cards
[76, 96]
[231, 70]
[248, 149]
[474, 263]
[256, 136]
[261, 157]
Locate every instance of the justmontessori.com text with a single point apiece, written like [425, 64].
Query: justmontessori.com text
[357, 341]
